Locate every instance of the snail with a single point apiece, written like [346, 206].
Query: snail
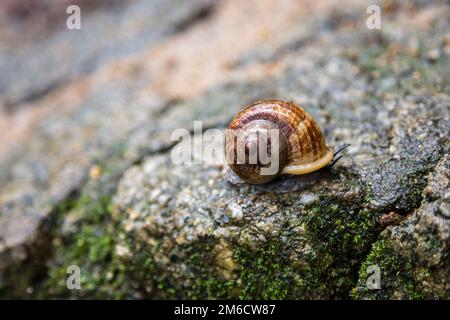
[276, 132]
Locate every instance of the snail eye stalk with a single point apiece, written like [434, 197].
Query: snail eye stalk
[339, 150]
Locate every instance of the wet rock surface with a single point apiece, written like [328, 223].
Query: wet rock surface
[90, 180]
[413, 256]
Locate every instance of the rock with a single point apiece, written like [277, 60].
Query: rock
[54, 163]
[288, 241]
[413, 256]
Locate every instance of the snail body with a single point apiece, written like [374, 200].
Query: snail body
[301, 146]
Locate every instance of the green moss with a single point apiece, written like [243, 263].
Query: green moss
[208, 283]
[341, 225]
[91, 247]
[338, 236]
[342, 231]
[396, 275]
[266, 273]
[195, 278]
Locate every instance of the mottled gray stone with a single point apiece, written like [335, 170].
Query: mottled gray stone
[421, 246]
[55, 163]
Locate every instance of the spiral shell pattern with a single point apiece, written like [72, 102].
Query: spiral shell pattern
[307, 149]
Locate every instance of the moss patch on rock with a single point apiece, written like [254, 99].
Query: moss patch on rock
[396, 274]
[90, 246]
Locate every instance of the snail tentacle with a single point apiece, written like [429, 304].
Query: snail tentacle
[341, 148]
[334, 161]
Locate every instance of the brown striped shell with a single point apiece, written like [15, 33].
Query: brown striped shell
[302, 147]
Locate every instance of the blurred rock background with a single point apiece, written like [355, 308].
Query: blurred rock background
[85, 172]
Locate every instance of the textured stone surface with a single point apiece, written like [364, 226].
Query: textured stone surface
[90, 123]
[105, 35]
[86, 176]
[307, 238]
[414, 255]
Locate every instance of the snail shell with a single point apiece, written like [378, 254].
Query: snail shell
[301, 149]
